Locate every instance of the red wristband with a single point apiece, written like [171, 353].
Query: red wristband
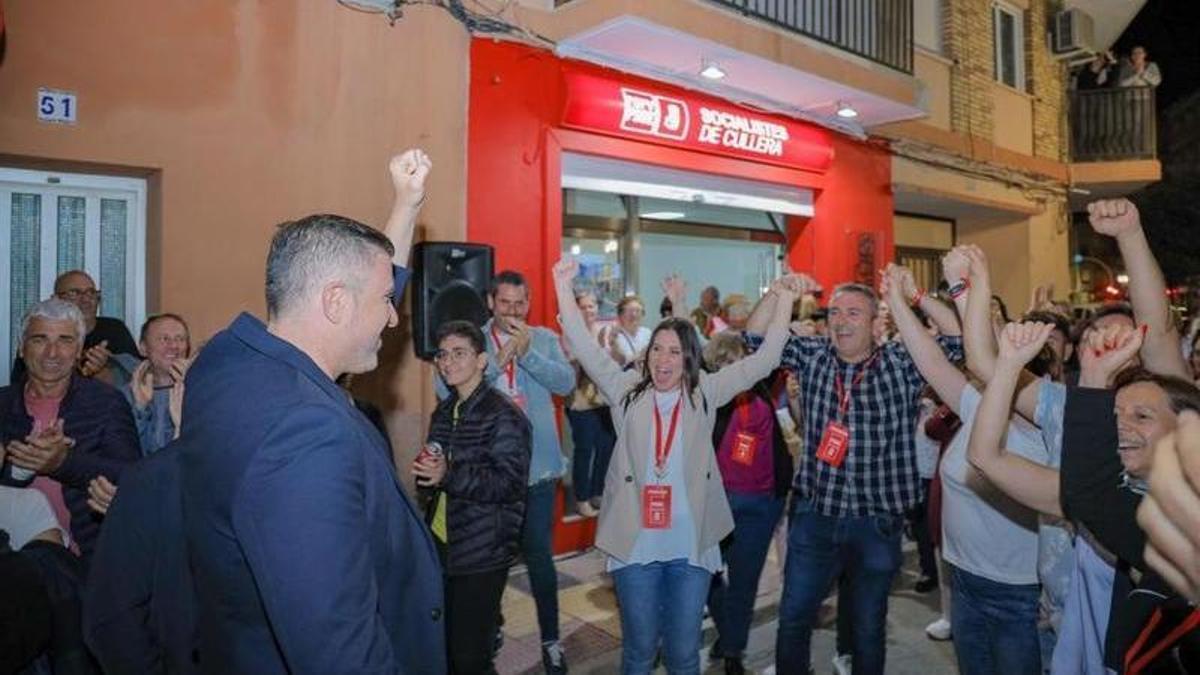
[917, 297]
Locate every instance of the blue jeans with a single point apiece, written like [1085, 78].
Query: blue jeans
[539, 555]
[994, 625]
[593, 437]
[731, 600]
[661, 600]
[867, 549]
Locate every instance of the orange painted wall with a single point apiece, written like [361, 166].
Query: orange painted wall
[245, 114]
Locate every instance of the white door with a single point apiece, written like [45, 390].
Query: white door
[51, 222]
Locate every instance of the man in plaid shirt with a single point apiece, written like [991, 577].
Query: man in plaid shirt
[858, 475]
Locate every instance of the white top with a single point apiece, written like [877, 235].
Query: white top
[26, 513]
[631, 347]
[984, 531]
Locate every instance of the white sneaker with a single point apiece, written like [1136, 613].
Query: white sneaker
[842, 664]
[938, 630]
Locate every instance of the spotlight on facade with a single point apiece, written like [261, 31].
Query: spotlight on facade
[712, 71]
[846, 111]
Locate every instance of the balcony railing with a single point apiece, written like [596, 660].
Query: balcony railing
[878, 30]
[1113, 124]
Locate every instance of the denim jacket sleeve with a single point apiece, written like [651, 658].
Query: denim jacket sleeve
[546, 363]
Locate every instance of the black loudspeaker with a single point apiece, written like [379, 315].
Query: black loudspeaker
[450, 281]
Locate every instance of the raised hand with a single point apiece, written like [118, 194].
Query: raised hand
[1114, 217]
[409, 170]
[978, 270]
[897, 284]
[956, 266]
[565, 270]
[800, 284]
[675, 288]
[1021, 342]
[1106, 352]
[1170, 512]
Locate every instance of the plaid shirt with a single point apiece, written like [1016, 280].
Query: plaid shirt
[879, 473]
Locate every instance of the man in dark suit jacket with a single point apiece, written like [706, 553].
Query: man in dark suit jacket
[308, 557]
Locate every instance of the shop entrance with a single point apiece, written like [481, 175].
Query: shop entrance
[630, 225]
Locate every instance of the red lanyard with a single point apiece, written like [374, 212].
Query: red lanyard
[1135, 664]
[843, 394]
[510, 369]
[663, 450]
[745, 401]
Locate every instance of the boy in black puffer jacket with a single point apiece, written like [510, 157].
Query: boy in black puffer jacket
[475, 490]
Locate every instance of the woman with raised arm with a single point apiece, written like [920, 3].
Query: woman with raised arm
[665, 511]
[989, 542]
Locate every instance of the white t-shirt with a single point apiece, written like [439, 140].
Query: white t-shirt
[631, 346]
[984, 531]
[24, 514]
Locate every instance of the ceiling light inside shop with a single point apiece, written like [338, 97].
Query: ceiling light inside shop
[665, 215]
[712, 71]
[576, 249]
[611, 246]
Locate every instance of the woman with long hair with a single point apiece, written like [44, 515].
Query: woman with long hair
[665, 511]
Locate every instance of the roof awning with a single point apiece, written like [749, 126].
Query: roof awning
[635, 45]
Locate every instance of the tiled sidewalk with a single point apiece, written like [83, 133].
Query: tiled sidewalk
[592, 631]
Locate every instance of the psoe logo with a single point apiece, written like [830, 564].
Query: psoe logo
[653, 115]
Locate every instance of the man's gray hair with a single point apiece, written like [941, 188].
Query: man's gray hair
[54, 309]
[862, 289]
[308, 252]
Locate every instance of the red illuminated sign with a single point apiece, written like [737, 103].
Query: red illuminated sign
[698, 123]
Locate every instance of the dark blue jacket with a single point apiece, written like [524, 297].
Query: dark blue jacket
[139, 606]
[307, 555]
[97, 417]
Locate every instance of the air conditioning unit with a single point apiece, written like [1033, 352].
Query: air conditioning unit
[1073, 32]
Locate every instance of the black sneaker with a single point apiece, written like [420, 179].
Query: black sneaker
[926, 585]
[733, 666]
[554, 661]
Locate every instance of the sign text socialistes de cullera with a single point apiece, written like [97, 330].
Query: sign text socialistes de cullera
[616, 106]
[669, 118]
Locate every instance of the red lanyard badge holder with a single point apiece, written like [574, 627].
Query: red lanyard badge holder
[835, 441]
[745, 444]
[656, 498]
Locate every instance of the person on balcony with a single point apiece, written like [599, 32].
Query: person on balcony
[1097, 74]
[1138, 70]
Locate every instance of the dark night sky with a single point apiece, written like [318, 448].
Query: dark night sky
[1170, 31]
